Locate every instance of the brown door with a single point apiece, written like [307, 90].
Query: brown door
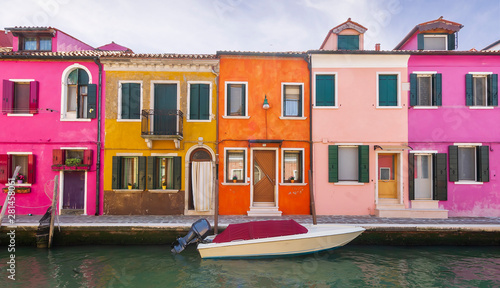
[264, 167]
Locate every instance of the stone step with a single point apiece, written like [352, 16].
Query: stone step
[412, 213]
[390, 206]
[424, 204]
[264, 211]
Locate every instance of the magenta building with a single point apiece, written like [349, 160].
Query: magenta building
[452, 123]
[51, 97]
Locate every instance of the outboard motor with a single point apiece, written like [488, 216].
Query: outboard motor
[199, 230]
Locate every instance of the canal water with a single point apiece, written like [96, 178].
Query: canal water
[349, 266]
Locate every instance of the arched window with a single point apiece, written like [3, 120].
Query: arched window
[79, 96]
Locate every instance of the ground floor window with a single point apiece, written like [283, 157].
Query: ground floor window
[164, 172]
[292, 166]
[235, 166]
[469, 163]
[8, 164]
[129, 172]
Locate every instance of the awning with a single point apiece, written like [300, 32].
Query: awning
[392, 147]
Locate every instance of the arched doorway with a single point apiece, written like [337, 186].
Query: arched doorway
[200, 195]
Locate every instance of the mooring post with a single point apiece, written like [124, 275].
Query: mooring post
[53, 210]
[4, 207]
[313, 205]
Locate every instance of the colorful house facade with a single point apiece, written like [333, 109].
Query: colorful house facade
[160, 151]
[452, 116]
[263, 134]
[360, 156]
[50, 121]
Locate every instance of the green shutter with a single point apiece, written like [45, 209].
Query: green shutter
[411, 176]
[135, 101]
[333, 163]
[440, 181]
[388, 90]
[413, 89]
[194, 102]
[420, 41]
[125, 101]
[325, 90]
[243, 100]
[453, 161]
[91, 100]
[437, 87]
[382, 90]
[151, 180]
[363, 161]
[83, 77]
[300, 101]
[468, 89]
[142, 172]
[228, 100]
[483, 163]
[204, 105]
[493, 90]
[451, 41]
[116, 172]
[177, 172]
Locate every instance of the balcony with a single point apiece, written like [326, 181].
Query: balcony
[161, 125]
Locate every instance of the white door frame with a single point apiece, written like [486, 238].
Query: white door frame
[61, 191]
[186, 180]
[431, 172]
[276, 150]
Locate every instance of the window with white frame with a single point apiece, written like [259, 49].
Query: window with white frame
[435, 42]
[292, 166]
[199, 101]
[348, 163]
[130, 100]
[9, 162]
[235, 166]
[481, 89]
[79, 95]
[236, 101]
[469, 163]
[388, 92]
[425, 89]
[325, 90]
[20, 96]
[292, 100]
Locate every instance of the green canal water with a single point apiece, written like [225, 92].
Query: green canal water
[349, 266]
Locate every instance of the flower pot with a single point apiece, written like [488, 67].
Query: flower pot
[19, 181]
[129, 187]
[234, 180]
[292, 181]
[164, 187]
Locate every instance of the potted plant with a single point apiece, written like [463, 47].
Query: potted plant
[129, 186]
[20, 178]
[292, 179]
[235, 178]
[73, 162]
[164, 186]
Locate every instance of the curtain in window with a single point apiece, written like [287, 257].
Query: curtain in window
[480, 91]
[46, 44]
[166, 173]
[20, 160]
[235, 163]
[435, 43]
[292, 96]
[30, 43]
[467, 163]
[236, 99]
[425, 90]
[292, 166]
[201, 182]
[348, 164]
[129, 172]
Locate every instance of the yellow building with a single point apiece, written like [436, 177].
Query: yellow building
[160, 134]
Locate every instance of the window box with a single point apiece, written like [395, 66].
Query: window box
[70, 168]
[18, 190]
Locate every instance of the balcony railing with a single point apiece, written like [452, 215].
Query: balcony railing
[166, 124]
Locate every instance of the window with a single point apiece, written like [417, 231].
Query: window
[292, 166]
[236, 99]
[425, 89]
[129, 172]
[79, 96]
[59, 157]
[35, 43]
[130, 101]
[292, 100]
[235, 166]
[385, 174]
[164, 172]
[199, 101]
[8, 163]
[348, 163]
[436, 41]
[325, 90]
[469, 163]
[388, 90]
[20, 96]
[348, 42]
[481, 89]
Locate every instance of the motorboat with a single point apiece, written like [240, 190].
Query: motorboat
[264, 239]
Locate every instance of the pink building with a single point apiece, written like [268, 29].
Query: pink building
[50, 121]
[452, 118]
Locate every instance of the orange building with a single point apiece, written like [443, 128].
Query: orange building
[264, 133]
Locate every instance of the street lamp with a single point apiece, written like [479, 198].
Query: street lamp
[266, 104]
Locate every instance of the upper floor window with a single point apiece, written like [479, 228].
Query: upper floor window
[292, 100]
[388, 92]
[35, 43]
[481, 89]
[436, 41]
[236, 101]
[130, 101]
[20, 96]
[199, 101]
[79, 97]
[425, 89]
[325, 90]
[348, 42]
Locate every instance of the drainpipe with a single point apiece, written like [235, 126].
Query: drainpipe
[216, 204]
[98, 163]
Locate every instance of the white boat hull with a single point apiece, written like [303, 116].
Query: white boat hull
[318, 238]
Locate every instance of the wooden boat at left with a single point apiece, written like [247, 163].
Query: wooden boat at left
[258, 239]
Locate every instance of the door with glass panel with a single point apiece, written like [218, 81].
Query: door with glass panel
[423, 177]
[388, 176]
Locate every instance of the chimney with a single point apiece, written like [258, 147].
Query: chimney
[377, 47]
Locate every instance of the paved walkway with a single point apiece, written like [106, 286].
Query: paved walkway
[493, 223]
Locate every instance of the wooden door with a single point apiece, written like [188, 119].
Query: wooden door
[264, 161]
[74, 190]
[388, 176]
[165, 109]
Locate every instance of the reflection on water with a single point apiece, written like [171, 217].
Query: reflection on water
[350, 266]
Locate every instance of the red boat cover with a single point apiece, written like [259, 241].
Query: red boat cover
[259, 229]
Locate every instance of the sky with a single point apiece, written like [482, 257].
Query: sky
[208, 26]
